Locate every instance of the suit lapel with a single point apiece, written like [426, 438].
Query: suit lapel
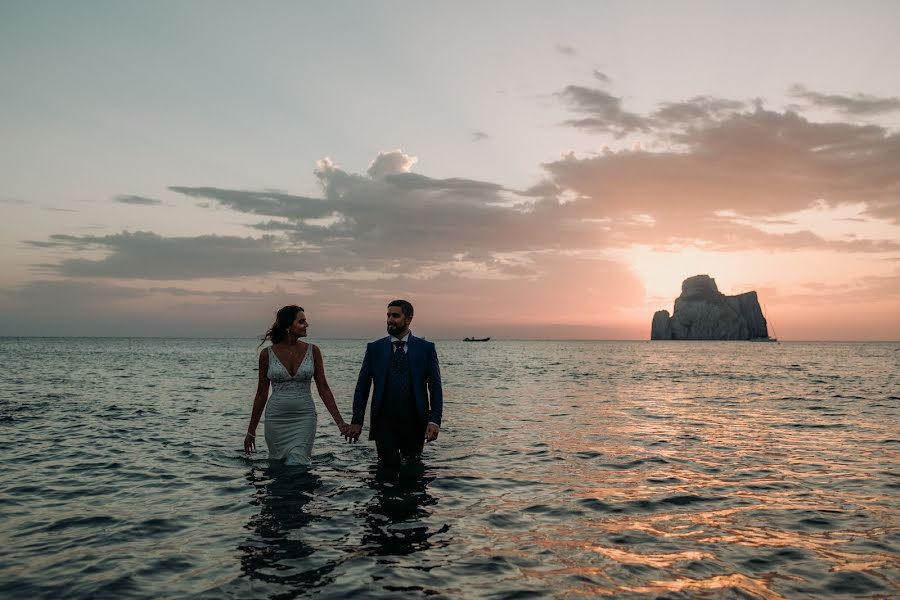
[413, 349]
[386, 350]
[380, 363]
[384, 354]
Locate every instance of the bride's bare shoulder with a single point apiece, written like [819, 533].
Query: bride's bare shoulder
[264, 356]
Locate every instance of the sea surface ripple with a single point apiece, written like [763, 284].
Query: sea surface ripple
[563, 470]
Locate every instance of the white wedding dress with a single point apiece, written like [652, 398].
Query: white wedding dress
[290, 412]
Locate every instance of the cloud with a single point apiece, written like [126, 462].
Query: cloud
[405, 218]
[414, 181]
[478, 136]
[603, 112]
[138, 200]
[273, 204]
[856, 105]
[719, 156]
[391, 163]
[695, 111]
[601, 77]
[46, 244]
[565, 49]
[146, 255]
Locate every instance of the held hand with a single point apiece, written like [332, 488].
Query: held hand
[353, 433]
[249, 443]
[431, 432]
[344, 428]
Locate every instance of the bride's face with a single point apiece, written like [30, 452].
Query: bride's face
[300, 325]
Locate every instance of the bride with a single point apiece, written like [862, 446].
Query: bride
[289, 365]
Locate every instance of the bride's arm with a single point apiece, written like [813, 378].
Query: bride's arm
[325, 390]
[259, 402]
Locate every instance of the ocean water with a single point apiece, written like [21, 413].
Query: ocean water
[563, 470]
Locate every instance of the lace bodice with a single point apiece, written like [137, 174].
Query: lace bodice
[280, 377]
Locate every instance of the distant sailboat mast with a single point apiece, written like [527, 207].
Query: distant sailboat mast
[770, 322]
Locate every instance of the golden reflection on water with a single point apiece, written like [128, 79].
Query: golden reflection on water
[758, 587]
[654, 462]
[651, 560]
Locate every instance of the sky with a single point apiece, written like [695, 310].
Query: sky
[526, 170]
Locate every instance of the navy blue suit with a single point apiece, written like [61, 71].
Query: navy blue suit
[425, 375]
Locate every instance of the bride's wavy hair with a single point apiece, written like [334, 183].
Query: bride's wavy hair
[284, 318]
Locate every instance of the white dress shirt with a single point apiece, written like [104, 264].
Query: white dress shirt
[404, 339]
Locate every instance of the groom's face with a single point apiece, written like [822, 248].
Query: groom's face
[397, 323]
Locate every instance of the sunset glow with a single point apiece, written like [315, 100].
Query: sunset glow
[559, 184]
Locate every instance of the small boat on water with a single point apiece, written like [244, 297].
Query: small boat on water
[468, 339]
[768, 322]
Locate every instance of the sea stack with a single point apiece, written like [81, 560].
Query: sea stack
[702, 312]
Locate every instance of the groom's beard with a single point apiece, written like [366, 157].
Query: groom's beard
[394, 330]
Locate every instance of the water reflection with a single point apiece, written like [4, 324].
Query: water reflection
[393, 518]
[293, 547]
[279, 550]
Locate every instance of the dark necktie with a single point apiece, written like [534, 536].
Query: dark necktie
[399, 380]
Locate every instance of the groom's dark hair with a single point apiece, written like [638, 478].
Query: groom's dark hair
[405, 306]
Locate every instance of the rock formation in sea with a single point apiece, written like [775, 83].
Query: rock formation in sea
[702, 312]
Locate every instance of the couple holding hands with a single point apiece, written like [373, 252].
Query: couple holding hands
[407, 401]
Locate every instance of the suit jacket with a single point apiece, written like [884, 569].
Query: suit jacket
[426, 381]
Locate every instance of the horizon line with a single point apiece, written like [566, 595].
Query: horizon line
[437, 339]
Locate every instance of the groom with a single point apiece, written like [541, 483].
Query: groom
[407, 402]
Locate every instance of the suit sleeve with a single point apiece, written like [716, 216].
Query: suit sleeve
[435, 391]
[363, 385]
